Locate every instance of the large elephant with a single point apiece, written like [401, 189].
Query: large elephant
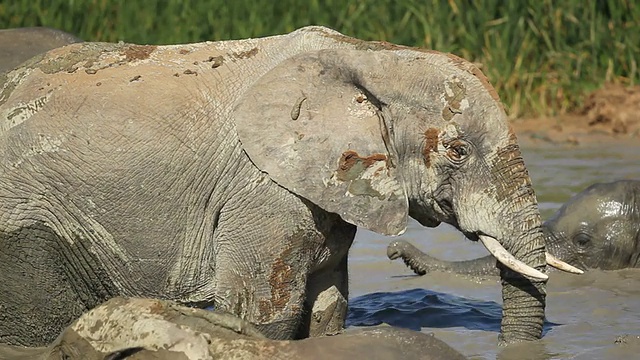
[234, 174]
[20, 44]
[597, 228]
[133, 328]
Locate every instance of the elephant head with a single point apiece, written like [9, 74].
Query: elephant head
[376, 132]
[599, 227]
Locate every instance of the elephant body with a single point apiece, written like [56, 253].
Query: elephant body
[598, 228]
[20, 44]
[233, 174]
[134, 328]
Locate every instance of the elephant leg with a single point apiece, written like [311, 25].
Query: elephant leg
[43, 284]
[264, 251]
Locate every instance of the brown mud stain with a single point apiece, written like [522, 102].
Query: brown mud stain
[246, 54]
[352, 165]
[216, 61]
[430, 144]
[156, 307]
[281, 281]
[138, 52]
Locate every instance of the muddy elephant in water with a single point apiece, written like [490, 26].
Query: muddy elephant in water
[134, 328]
[597, 228]
[20, 44]
[234, 174]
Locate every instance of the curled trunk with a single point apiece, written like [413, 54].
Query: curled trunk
[422, 263]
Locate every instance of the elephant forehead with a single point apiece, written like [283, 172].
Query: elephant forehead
[610, 208]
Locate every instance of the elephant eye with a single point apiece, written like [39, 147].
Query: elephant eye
[582, 240]
[458, 150]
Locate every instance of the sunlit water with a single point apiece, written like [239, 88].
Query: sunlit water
[585, 314]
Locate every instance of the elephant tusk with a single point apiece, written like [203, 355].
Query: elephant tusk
[508, 260]
[561, 265]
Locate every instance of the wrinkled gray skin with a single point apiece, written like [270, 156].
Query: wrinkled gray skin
[134, 328]
[234, 174]
[598, 228]
[21, 44]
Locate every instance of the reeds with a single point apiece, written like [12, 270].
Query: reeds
[541, 55]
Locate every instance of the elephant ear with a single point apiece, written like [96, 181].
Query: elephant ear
[315, 131]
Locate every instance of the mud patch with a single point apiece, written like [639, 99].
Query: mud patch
[216, 61]
[430, 145]
[467, 66]
[246, 54]
[281, 280]
[352, 165]
[454, 98]
[24, 111]
[68, 62]
[137, 52]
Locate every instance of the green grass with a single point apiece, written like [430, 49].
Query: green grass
[541, 55]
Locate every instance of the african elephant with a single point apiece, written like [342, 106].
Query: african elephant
[20, 44]
[233, 174]
[135, 328]
[597, 228]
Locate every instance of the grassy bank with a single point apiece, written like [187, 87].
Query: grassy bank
[541, 55]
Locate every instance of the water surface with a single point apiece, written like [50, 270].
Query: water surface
[585, 314]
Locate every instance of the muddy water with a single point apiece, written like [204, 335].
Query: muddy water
[585, 314]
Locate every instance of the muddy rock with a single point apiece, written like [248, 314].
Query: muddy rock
[133, 328]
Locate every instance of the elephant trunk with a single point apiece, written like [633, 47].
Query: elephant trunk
[523, 297]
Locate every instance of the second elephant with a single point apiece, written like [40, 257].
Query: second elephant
[597, 228]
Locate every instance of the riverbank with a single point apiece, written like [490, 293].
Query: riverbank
[610, 114]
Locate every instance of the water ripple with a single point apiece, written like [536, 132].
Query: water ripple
[418, 308]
